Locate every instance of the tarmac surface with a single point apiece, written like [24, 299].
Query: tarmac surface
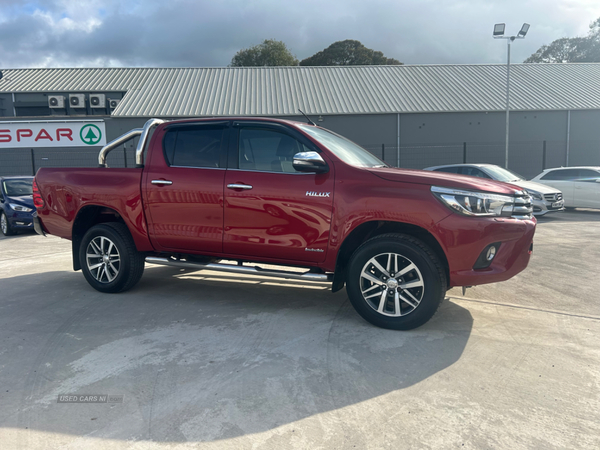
[210, 360]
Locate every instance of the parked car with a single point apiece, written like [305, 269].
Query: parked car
[545, 199]
[16, 204]
[580, 185]
[258, 190]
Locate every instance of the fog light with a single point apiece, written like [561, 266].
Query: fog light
[487, 256]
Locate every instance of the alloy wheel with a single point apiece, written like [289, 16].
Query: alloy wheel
[103, 259]
[4, 224]
[391, 284]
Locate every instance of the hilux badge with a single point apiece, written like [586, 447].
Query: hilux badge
[317, 194]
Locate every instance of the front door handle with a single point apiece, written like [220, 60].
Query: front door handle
[239, 186]
[162, 182]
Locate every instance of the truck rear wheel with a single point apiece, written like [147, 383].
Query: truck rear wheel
[395, 281]
[109, 260]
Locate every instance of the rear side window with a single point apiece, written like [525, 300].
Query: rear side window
[447, 169]
[194, 147]
[562, 175]
[472, 172]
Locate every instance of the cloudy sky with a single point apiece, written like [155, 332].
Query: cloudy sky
[186, 33]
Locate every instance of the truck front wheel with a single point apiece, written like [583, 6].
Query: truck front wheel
[109, 260]
[395, 281]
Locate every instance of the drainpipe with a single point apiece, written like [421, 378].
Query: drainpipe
[398, 142]
[568, 134]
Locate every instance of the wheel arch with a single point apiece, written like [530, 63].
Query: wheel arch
[87, 217]
[371, 229]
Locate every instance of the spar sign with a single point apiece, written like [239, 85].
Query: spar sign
[52, 134]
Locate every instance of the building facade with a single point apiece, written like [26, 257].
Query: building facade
[411, 116]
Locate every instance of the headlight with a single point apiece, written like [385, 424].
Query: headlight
[19, 208]
[484, 204]
[535, 195]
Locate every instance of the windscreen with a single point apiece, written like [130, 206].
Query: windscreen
[346, 150]
[505, 175]
[18, 186]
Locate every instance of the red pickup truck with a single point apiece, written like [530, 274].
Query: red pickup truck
[277, 192]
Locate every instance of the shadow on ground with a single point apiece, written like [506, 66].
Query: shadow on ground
[203, 357]
[571, 215]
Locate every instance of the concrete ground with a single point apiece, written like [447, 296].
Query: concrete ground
[216, 361]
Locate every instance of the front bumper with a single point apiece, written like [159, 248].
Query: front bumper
[466, 237]
[542, 207]
[20, 220]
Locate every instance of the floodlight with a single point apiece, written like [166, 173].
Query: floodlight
[524, 30]
[499, 34]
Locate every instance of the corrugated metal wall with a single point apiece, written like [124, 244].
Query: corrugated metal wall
[425, 140]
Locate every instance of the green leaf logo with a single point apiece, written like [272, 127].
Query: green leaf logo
[90, 134]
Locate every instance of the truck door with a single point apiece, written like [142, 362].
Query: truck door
[184, 187]
[272, 210]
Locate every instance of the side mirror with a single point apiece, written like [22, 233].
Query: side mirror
[310, 162]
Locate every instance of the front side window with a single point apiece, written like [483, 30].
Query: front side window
[268, 150]
[194, 147]
[562, 175]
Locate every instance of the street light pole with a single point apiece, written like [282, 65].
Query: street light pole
[499, 34]
[508, 41]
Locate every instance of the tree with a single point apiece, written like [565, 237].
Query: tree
[348, 53]
[577, 49]
[269, 53]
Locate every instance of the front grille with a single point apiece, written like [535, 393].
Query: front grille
[523, 207]
[553, 197]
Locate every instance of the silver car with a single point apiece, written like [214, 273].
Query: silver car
[545, 198]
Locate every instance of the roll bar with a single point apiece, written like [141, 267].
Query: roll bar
[139, 151]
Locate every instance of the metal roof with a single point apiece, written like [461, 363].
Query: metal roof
[280, 91]
[73, 80]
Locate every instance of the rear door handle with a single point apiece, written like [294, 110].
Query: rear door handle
[162, 182]
[239, 186]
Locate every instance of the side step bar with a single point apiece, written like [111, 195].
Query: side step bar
[246, 270]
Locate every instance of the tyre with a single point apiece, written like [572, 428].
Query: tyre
[109, 260]
[395, 281]
[5, 225]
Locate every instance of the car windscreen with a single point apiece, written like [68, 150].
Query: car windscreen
[16, 187]
[501, 174]
[346, 150]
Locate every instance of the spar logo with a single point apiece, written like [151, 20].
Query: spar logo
[90, 134]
